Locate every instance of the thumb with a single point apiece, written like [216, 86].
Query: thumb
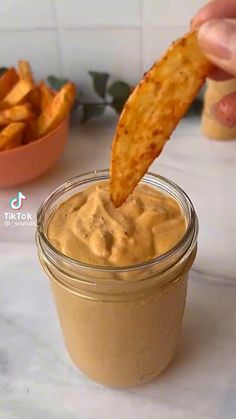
[217, 38]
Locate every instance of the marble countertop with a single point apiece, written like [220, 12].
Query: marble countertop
[37, 379]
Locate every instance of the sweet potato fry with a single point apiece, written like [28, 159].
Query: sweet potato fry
[11, 136]
[7, 81]
[46, 95]
[25, 71]
[152, 112]
[53, 114]
[16, 114]
[18, 93]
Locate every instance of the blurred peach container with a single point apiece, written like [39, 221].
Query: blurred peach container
[27, 162]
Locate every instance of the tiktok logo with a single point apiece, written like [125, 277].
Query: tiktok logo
[17, 201]
[18, 218]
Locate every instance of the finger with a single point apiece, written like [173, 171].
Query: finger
[217, 38]
[216, 9]
[225, 110]
[219, 75]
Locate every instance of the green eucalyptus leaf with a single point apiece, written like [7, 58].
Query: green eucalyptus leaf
[118, 104]
[92, 110]
[3, 70]
[119, 90]
[56, 83]
[100, 81]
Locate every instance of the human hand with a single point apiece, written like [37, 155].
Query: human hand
[217, 37]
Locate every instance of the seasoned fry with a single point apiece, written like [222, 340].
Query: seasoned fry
[25, 71]
[16, 114]
[27, 110]
[11, 136]
[54, 114]
[46, 95]
[152, 112]
[7, 81]
[18, 93]
[33, 97]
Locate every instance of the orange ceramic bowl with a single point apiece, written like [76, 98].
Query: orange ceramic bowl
[27, 162]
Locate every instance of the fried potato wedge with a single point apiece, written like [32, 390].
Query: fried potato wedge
[33, 97]
[11, 136]
[53, 114]
[25, 71]
[7, 81]
[17, 113]
[152, 112]
[46, 95]
[18, 93]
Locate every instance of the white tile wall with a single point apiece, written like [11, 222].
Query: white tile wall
[116, 51]
[170, 12]
[70, 37]
[39, 47]
[21, 14]
[99, 12]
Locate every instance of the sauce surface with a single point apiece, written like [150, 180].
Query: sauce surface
[88, 228]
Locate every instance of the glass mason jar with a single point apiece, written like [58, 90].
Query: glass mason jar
[121, 325]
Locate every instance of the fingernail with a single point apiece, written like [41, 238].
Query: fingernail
[218, 38]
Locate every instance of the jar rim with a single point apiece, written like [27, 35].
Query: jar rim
[190, 235]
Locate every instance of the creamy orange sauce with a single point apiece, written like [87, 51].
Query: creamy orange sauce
[88, 228]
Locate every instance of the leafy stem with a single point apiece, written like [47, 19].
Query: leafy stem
[113, 95]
